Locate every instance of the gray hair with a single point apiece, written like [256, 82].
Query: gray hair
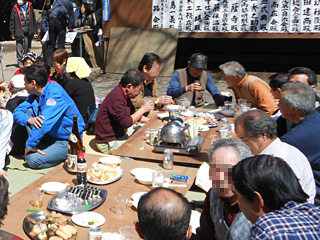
[233, 68]
[241, 148]
[257, 122]
[299, 95]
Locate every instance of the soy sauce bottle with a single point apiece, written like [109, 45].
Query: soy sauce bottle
[82, 170]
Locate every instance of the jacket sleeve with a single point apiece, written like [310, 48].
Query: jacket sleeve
[122, 113]
[174, 88]
[12, 22]
[19, 114]
[71, 16]
[34, 27]
[52, 113]
[211, 87]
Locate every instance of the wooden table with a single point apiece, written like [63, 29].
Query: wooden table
[137, 147]
[20, 202]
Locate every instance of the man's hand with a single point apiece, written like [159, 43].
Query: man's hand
[28, 150]
[148, 106]
[3, 173]
[36, 121]
[165, 100]
[13, 37]
[193, 87]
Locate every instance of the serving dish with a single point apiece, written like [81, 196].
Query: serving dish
[110, 160]
[77, 199]
[102, 174]
[35, 218]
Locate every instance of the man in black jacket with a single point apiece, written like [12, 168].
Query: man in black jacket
[22, 27]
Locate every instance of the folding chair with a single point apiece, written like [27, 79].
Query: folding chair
[1, 56]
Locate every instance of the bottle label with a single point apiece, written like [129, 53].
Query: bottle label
[72, 163]
[82, 167]
[73, 138]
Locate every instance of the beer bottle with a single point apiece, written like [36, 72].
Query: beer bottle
[75, 146]
[82, 170]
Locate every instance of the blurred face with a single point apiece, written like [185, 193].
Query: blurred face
[286, 111]
[303, 78]
[29, 86]
[153, 72]
[229, 80]
[255, 144]
[220, 171]
[83, 9]
[246, 207]
[57, 66]
[27, 62]
[132, 91]
[275, 94]
[195, 72]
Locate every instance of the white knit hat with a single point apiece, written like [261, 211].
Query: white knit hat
[18, 81]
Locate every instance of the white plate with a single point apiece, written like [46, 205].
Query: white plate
[228, 113]
[145, 178]
[215, 110]
[203, 128]
[120, 172]
[83, 219]
[111, 236]
[110, 160]
[136, 197]
[187, 113]
[53, 187]
[136, 171]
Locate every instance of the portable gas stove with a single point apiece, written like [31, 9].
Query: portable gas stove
[191, 147]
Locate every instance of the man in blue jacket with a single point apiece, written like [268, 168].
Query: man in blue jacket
[48, 115]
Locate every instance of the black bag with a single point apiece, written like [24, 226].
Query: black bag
[92, 112]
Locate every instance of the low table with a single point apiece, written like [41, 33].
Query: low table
[20, 202]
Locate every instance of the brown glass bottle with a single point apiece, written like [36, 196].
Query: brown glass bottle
[75, 146]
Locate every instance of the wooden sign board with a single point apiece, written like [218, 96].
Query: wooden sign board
[128, 45]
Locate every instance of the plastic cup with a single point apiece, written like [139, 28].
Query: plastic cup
[147, 99]
[157, 177]
[121, 201]
[227, 105]
[38, 195]
[128, 233]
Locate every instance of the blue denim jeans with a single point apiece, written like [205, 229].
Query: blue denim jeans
[56, 151]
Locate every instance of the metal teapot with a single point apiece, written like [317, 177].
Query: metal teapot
[173, 131]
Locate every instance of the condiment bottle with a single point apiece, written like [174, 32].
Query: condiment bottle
[82, 170]
[75, 146]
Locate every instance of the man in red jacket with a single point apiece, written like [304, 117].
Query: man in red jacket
[117, 115]
[23, 27]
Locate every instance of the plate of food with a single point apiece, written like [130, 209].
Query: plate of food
[48, 225]
[204, 118]
[88, 219]
[53, 187]
[141, 171]
[102, 174]
[77, 199]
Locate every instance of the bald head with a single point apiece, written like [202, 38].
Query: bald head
[164, 214]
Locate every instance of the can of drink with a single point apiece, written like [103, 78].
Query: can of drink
[95, 233]
[167, 159]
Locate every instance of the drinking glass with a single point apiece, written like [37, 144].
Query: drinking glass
[38, 195]
[121, 201]
[128, 233]
[157, 177]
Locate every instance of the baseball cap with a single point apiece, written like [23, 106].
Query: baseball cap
[198, 60]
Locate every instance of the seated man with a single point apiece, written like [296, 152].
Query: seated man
[190, 82]
[271, 197]
[163, 214]
[249, 87]
[221, 217]
[149, 66]
[259, 131]
[48, 115]
[297, 104]
[117, 115]
[307, 76]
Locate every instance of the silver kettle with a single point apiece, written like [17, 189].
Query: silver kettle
[173, 131]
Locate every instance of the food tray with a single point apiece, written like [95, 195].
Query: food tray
[89, 197]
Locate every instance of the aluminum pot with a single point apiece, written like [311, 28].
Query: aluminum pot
[173, 131]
